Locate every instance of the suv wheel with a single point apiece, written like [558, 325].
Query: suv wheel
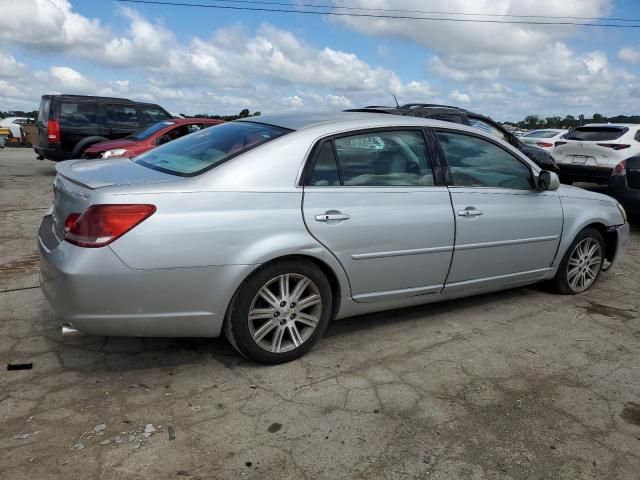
[280, 312]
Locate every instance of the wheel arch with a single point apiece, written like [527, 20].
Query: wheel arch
[339, 283]
[610, 238]
[86, 142]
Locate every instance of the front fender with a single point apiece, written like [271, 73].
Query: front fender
[580, 212]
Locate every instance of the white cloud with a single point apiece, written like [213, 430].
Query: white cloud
[629, 55]
[459, 97]
[49, 24]
[468, 37]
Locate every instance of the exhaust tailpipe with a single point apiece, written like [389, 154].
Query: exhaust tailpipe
[69, 331]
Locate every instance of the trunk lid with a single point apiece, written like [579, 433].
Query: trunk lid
[76, 181]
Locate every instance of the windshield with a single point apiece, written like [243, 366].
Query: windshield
[203, 150]
[542, 134]
[146, 132]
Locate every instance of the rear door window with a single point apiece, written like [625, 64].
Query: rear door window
[151, 114]
[386, 158]
[122, 116]
[325, 171]
[596, 134]
[78, 114]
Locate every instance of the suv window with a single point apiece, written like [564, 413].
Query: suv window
[637, 137]
[475, 162]
[122, 116]
[487, 127]
[596, 134]
[397, 158]
[152, 114]
[78, 114]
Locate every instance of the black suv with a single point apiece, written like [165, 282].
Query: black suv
[448, 113]
[68, 124]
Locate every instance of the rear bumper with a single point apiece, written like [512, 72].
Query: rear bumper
[52, 153]
[585, 173]
[96, 293]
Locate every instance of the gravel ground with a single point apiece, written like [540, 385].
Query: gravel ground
[515, 385]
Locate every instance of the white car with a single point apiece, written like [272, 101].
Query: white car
[589, 153]
[14, 124]
[544, 139]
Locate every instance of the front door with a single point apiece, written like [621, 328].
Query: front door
[506, 231]
[371, 199]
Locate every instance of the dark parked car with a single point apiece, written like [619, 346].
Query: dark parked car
[68, 124]
[449, 113]
[624, 185]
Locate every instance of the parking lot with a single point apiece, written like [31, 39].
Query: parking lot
[516, 385]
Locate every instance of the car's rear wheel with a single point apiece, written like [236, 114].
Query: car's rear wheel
[279, 313]
[581, 264]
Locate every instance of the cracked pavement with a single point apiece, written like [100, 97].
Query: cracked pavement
[519, 384]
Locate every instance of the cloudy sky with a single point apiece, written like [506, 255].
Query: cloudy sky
[197, 60]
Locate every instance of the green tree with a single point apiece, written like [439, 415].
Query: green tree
[244, 113]
[598, 118]
[532, 122]
[569, 121]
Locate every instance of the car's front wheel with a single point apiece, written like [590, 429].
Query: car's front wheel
[279, 312]
[581, 264]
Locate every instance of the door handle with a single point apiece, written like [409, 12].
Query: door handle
[332, 216]
[470, 212]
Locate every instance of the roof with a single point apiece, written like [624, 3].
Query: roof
[93, 97]
[304, 120]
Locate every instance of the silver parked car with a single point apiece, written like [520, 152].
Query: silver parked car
[268, 228]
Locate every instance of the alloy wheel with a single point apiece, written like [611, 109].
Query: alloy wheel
[285, 312]
[584, 264]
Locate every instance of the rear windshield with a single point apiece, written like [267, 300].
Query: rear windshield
[203, 150]
[596, 134]
[43, 114]
[542, 134]
[146, 132]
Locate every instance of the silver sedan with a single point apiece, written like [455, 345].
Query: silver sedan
[268, 228]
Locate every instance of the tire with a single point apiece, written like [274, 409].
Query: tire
[278, 333]
[566, 180]
[580, 266]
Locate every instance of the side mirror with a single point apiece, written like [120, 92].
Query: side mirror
[548, 181]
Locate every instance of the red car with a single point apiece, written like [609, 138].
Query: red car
[148, 137]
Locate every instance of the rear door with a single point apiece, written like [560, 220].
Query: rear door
[506, 231]
[371, 199]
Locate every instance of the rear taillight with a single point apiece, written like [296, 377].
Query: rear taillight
[560, 143]
[53, 131]
[620, 169]
[615, 146]
[544, 144]
[102, 224]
